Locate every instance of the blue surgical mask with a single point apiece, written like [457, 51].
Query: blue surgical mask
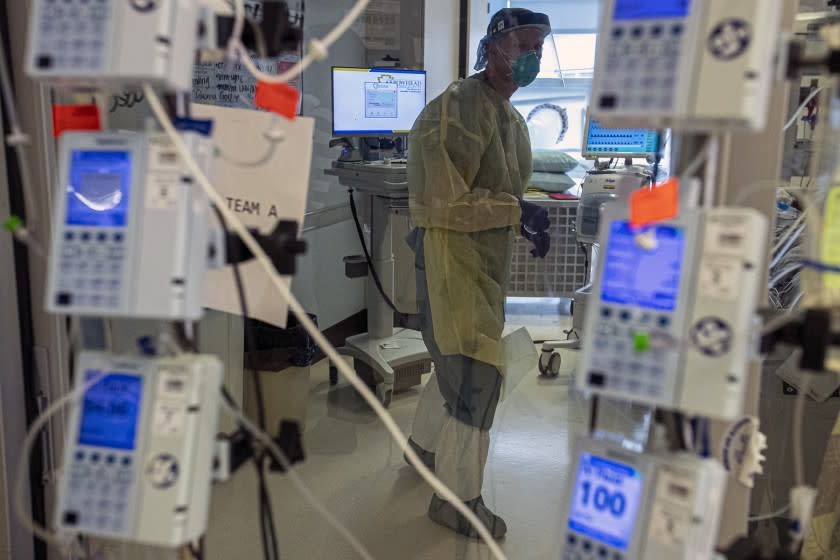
[525, 68]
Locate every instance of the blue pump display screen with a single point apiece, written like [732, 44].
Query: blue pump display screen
[643, 276]
[110, 410]
[650, 9]
[98, 188]
[605, 501]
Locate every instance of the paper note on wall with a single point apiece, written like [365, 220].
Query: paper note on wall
[382, 25]
[231, 85]
[261, 183]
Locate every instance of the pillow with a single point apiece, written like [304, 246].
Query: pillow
[552, 161]
[551, 182]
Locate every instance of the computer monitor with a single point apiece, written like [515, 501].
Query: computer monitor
[602, 142]
[376, 101]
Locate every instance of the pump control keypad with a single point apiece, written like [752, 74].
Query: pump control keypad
[579, 547]
[91, 268]
[641, 66]
[633, 352]
[72, 35]
[99, 489]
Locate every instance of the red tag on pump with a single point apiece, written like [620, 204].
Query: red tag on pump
[75, 117]
[656, 204]
[278, 98]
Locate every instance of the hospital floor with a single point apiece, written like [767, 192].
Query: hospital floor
[358, 471]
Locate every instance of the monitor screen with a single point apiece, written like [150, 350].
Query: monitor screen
[606, 500]
[601, 141]
[376, 101]
[98, 189]
[641, 276]
[650, 9]
[111, 410]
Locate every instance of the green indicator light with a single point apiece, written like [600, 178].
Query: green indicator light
[641, 342]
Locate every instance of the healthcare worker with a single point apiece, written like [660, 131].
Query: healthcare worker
[468, 166]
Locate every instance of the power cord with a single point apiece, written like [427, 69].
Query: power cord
[368, 258]
[267, 527]
[197, 552]
[657, 157]
[585, 257]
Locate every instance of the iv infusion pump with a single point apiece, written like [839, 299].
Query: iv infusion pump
[138, 458]
[131, 235]
[85, 42]
[629, 506]
[700, 65]
[673, 321]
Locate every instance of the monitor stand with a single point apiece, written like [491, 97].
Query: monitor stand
[390, 357]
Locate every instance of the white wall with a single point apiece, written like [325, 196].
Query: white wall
[440, 39]
[320, 283]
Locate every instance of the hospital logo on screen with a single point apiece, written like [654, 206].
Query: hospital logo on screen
[405, 86]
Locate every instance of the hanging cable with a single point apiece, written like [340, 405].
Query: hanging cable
[18, 140]
[29, 439]
[230, 406]
[657, 158]
[268, 531]
[801, 108]
[318, 48]
[773, 515]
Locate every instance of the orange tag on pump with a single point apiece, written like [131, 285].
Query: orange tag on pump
[660, 203]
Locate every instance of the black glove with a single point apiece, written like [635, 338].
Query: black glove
[535, 222]
[534, 216]
[540, 239]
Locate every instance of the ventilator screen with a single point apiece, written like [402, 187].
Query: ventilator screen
[602, 142]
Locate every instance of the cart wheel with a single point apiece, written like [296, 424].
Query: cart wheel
[333, 375]
[554, 364]
[384, 394]
[545, 358]
[550, 363]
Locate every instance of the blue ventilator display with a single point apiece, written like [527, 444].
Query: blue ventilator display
[650, 9]
[98, 189]
[110, 411]
[621, 142]
[606, 500]
[643, 275]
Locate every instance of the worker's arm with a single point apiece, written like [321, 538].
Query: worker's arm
[447, 153]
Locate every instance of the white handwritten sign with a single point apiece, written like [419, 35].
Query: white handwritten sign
[231, 85]
[272, 187]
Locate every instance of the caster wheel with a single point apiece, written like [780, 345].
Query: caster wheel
[333, 376]
[384, 395]
[550, 364]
